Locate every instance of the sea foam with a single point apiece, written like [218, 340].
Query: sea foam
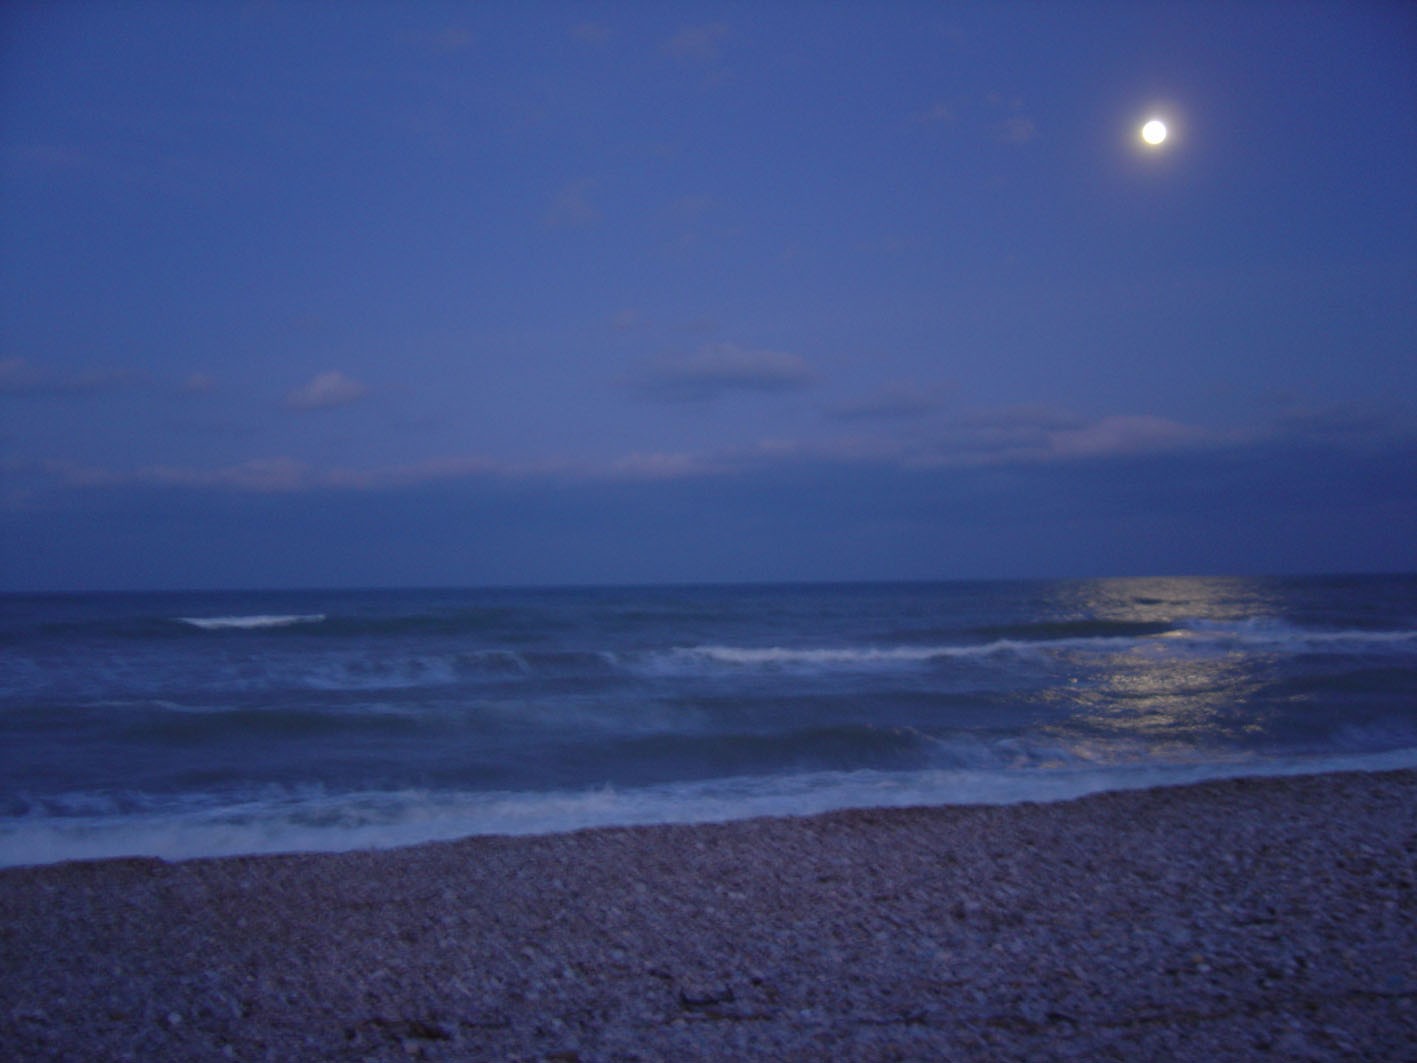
[312, 821]
[204, 723]
[217, 623]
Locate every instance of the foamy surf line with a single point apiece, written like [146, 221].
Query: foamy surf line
[218, 623]
[314, 822]
[1219, 921]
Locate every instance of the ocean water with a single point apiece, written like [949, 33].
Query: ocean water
[211, 723]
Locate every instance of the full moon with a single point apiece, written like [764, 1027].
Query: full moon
[1154, 132]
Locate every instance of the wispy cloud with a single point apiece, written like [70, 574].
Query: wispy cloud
[571, 208]
[696, 220]
[1126, 435]
[663, 466]
[1021, 438]
[938, 113]
[18, 376]
[626, 320]
[326, 391]
[1017, 129]
[1016, 437]
[446, 41]
[287, 475]
[718, 370]
[702, 45]
[1001, 118]
[591, 32]
[1337, 421]
[262, 476]
[902, 399]
[198, 384]
[1032, 434]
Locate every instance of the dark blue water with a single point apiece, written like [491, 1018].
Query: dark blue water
[184, 724]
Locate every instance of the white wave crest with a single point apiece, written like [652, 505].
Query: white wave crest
[1280, 635]
[778, 655]
[852, 657]
[218, 623]
[313, 821]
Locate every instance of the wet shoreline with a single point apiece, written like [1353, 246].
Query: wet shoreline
[1222, 920]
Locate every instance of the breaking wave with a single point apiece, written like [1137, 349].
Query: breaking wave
[249, 623]
[199, 723]
[309, 819]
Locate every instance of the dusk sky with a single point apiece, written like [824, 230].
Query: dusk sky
[364, 294]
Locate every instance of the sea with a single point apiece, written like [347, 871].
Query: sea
[203, 724]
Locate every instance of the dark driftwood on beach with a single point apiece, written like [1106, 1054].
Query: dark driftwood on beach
[1230, 920]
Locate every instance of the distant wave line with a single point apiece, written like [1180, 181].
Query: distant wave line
[1275, 637]
[1260, 631]
[217, 623]
[778, 656]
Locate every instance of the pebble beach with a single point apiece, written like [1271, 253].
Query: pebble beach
[1241, 919]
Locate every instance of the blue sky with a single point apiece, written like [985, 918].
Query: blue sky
[375, 293]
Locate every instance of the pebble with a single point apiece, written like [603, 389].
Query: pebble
[1071, 930]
